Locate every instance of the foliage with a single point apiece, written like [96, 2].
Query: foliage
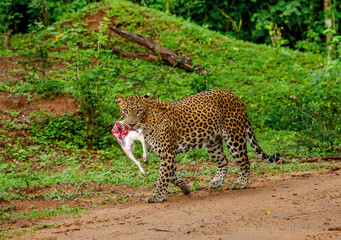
[49, 87]
[37, 55]
[271, 83]
[91, 82]
[92, 91]
[66, 128]
[37, 62]
[18, 14]
[11, 14]
[318, 111]
[299, 24]
[310, 107]
[34, 214]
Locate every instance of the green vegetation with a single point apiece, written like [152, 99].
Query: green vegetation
[293, 99]
[298, 24]
[34, 214]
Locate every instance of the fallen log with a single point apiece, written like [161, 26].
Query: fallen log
[169, 57]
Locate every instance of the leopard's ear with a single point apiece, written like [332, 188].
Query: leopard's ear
[119, 100]
[147, 95]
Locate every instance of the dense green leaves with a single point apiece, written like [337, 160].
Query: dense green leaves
[298, 24]
[18, 14]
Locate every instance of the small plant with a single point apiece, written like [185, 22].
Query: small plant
[117, 198]
[200, 82]
[48, 87]
[196, 184]
[43, 226]
[8, 208]
[38, 61]
[275, 33]
[28, 177]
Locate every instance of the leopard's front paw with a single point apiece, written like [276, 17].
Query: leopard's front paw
[215, 183]
[155, 199]
[238, 186]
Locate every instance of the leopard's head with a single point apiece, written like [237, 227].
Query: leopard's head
[133, 109]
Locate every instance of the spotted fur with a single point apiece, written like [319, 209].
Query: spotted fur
[201, 120]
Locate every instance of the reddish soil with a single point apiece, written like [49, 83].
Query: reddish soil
[93, 21]
[8, 102]
[302, 206]
[58, 106]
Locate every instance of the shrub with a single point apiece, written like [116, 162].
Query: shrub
[318, 110]
[65, 128]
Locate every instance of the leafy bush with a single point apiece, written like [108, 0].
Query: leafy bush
[299, 24]
[318, 110]
[18, 14]
[92, 81]
[37, 60]
[49, 87]
[91, 89]
[36, 53]
[12, 13]
[65, 128]
[312, 107]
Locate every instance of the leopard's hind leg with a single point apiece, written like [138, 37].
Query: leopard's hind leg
[216, 151]
[236, 143]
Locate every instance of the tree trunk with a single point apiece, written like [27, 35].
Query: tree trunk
[167, 5]
[7, 39]
[328, 22]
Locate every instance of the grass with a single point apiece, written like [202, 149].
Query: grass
[43, 226]
[265, 170]
[42, 213]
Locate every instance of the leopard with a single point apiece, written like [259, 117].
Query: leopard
[203, 120]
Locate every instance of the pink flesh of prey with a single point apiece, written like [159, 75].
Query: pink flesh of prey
[125, 138]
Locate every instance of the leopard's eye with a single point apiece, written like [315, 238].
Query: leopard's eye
[139, 111]
[125, 111]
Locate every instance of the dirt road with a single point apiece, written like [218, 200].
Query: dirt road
[300, 206]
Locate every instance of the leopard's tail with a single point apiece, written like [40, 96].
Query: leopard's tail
[256, 148]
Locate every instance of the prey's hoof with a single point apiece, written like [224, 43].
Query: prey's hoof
[143, 172]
